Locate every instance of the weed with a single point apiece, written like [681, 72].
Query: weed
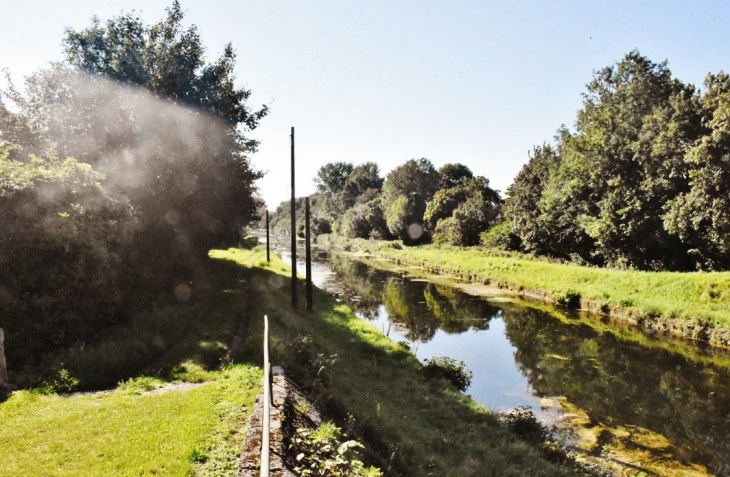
[320, 453]
[302, 407]
[567, 297]
[61, 382]
[136, 386]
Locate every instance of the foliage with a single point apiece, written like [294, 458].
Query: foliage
[458, 215]
[61, 382]
[700, 216]
[160, 175]
[451, 175]
[407, 190]
[500, 237]
[454, 371]
[322, 454]
[140, 385]
[639, 183]
[61, 238]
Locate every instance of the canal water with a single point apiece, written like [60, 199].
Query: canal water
[616, 393]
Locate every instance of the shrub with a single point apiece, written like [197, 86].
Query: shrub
[454, 371]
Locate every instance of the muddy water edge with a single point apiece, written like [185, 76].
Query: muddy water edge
[632, 402]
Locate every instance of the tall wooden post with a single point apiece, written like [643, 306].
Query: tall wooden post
[309, 255]
[293, 231]
[3, 365]
[268, 257]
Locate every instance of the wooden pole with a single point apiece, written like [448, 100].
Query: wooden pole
[309, 255]
[266, 417]
[268, 257]
[3, 365]
[293, 231]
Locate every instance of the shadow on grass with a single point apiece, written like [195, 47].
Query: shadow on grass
[196, 333]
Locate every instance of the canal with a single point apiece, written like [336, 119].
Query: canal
[652, 404]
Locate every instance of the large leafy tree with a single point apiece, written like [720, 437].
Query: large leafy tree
[522, 207]
[407, 191]
[460, 213]
[700, 216]
[621, 145]
[167, 131]
[601, 193]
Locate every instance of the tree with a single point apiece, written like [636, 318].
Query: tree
[60, 244]
[407, 190]
[331, 180]
[700, 216]
[162, 135]
[522, 208]
[167, 60]
[451, 175]
[621, 143]
[600, 194]
[459, 214]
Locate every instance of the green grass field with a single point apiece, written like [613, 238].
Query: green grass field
[128, 434]
[197, 431]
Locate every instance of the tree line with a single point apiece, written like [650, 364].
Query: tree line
[641, 182]
[414, 203]
[120, 167]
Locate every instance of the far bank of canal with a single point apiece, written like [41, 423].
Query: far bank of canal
[652, 404]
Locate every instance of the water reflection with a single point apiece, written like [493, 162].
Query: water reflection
[521, 354]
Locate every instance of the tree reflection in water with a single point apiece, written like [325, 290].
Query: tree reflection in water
[616, 382]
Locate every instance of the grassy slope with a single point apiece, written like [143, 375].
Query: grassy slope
[123, 433]
[375, 387]
[703, 297]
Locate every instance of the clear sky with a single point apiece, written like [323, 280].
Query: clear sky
[476, 82]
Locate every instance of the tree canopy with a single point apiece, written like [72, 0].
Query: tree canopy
[640, 181]
[120, 168]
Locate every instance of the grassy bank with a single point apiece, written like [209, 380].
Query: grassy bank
[695, 305]
[375, 388]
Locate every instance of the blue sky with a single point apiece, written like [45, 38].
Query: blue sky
[476, 82]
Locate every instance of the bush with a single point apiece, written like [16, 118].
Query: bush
[501, 237]
[454, 371]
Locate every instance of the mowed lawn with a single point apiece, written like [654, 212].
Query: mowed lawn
[120, 433]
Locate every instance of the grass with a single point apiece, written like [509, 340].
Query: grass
[154, 343]
[128, 434]
[197, 431]
[375, 389]
[701, 297]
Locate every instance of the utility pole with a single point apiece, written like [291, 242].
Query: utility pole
[309, 255]
[268, 257]
[293, 231]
